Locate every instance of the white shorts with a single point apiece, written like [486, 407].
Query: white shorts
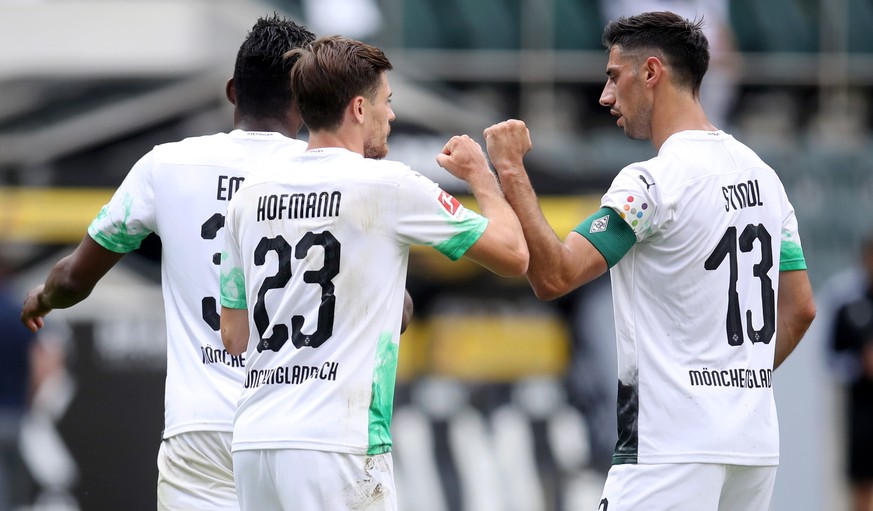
[688, 487]
[303, 480]
[195, 472]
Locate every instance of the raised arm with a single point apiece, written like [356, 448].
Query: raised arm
[501, 248]
[70, 281]
[795, 311]
[555, 267]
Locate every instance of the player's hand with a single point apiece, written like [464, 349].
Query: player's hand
[462, 156]
[507, 143]
[33, 310]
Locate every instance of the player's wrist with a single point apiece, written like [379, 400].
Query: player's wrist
[43, 301]
[482, 177]
[507, 162]
[510, 171]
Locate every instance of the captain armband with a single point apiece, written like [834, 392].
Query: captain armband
[609, 234]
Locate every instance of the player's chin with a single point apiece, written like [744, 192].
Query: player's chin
[376, 153]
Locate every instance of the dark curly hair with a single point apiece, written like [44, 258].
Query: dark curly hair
[261, 74]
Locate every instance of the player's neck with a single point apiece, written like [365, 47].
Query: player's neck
[343, 138]
[283, 126]
[682, 114]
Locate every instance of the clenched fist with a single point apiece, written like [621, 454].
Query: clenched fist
[462, 156]
[507, 143]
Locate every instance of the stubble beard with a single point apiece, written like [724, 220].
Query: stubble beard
[376, 152]
[641, 128]
[376, 149]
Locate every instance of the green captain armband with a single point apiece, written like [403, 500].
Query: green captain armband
[609, 234]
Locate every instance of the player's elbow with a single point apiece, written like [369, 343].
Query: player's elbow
[546, 295]
[515, 262]
[233, 346]
[799, 320]
[806, 314]
[546, 290]
[226, 340]
[506, 257]
[234, 330]
[520, 261]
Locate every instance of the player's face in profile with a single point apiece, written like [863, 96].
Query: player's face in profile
[624, 95]
[380, 117]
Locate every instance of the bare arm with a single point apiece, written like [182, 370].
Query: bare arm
[234, 330]
[70, 281]
[501, 248]
[795, 311]
[555, 267]
[407, 312]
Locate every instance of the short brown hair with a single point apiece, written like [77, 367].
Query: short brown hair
[329, 73]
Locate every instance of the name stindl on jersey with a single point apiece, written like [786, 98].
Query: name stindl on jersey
[742, 195]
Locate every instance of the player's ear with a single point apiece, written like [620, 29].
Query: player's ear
[653, 70]
[358, 108]
[230, 91]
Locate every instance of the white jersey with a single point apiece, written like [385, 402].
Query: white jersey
[318, 251]
[180, 191]
[695, 302]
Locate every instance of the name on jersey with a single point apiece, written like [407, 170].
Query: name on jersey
[738, 378]
[299, 205]
[210, 355]
[226, 186]
[292, 375]
[742, 195]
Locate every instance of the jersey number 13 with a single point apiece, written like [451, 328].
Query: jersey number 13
[727, 249]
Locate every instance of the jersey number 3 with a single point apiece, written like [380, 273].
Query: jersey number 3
[322, 277]
[727, 248]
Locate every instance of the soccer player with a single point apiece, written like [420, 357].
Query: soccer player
[852, 343]
[180, 192]
[316, 259]
[709, 280]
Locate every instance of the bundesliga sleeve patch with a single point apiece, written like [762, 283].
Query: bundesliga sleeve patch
[449, 203]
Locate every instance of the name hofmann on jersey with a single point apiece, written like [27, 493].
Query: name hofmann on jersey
[298, 205]
[293, 375]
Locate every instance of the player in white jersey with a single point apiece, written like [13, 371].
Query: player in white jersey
[312, 286]
[709, 281]
[180, 192]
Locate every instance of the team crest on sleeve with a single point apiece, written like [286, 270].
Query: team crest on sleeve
[449, 203]
[599, 225]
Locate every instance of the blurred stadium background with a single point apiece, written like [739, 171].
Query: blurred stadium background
[503, 402]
